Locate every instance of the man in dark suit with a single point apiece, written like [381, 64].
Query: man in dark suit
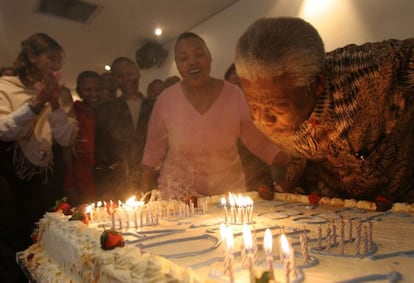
[121, 127]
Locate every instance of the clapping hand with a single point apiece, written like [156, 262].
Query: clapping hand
[47, 90]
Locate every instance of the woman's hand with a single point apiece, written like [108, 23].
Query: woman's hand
[47, 90]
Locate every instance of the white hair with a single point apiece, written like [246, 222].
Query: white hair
[272, 47]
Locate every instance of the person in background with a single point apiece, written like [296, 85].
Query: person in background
[108, 88]
[347, 116]
[121, 127]
[155, 87]
[169, 81]
[33, 129]
[7, 71]
[257, 173]
[194, 129]
[80, 185]
[231, 75]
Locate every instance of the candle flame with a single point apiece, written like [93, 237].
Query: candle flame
[130, 202]
[268, 241]
[223, 231]
[247, 237]
[239, 200]
[231, 199]
[285, 244]
[229, 240]
[99, 204]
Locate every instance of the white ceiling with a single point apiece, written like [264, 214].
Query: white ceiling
[118, 28]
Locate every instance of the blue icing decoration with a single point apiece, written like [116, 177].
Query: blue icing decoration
[392, 277]
[310, 220]
[400, 253]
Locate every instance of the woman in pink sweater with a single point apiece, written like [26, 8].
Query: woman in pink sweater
[194, 129]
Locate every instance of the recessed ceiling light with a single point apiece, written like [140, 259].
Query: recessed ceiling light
[107, 67]
[158, 31]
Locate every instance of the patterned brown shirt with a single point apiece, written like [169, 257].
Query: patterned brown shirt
[359, 142]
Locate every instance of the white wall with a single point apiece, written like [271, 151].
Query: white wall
[339, 22]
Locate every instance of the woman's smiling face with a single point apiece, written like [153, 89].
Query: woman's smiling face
[193, 60]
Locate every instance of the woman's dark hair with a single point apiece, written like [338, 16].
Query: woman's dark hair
[35, 44]
[186, 35]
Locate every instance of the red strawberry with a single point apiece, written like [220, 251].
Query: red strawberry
[265, 193]
[383, 204]
[111, 239]
[314, 198]
[63, 206]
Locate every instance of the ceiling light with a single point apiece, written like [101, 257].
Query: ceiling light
[107, 67]
[158, 31]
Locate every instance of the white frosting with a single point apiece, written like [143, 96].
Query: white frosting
[70, 250]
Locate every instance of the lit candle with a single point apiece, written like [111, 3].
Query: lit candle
[140, 205]
[92, 211]
[112, 212]
[248, 244]
[135, 205]
[268, 248]
[249, 208]
[120, 213]
[105, 214]
[285, 256]
[98, 210]
[232, 209]
[224, 204]
[88, 211]
[223, 232]
[130, 205]
[240, 208]
[229, 254]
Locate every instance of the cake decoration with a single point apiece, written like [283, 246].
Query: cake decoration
[111, 239]
[172, 236]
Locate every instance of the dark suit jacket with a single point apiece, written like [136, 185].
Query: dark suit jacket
[118, 145]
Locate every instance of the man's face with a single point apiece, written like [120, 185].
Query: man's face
[277, 107]
[127, 76]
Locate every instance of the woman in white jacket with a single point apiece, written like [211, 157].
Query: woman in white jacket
[34, 130]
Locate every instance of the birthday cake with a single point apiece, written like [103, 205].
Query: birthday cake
[331, 241]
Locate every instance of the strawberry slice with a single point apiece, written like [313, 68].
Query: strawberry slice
[265, 193]
[111, 239]
[314, 198]
[63, 206]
